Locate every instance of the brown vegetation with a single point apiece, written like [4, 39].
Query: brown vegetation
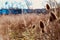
[30, 26]
[34, 28]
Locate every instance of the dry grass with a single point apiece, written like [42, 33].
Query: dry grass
[32, 27]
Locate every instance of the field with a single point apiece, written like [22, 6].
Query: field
[30, 27]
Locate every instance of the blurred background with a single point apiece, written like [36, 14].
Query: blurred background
[25, 6]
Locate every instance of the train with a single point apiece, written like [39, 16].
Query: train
[20, 11]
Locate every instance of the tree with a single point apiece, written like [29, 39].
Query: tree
[28, 3]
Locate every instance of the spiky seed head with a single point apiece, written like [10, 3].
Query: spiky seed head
[52, 17]
[33, 26]
[42, 26]
[47, 7]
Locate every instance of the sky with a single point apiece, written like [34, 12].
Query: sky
[23, 4]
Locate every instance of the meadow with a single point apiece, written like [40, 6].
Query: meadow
[30, 26]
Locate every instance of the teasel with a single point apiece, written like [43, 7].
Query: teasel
[47, 7]
[52, 17]
[42, 26]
